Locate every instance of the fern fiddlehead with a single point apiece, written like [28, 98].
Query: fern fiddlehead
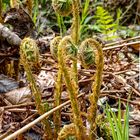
[97, 83]
[88, 58]
[54, 46]
[29, 56]
[64, 8]
[70, 51]
[72, 88]
[58, 86]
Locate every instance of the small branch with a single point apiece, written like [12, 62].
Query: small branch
[15, 40]
[10, 36]
[122, 41]
[21, 110]
[47, 114]
[122, 45]
[10, 130]
[122, 99]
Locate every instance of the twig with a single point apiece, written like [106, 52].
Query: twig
[21, 110]
[20, 105]
[14, 39]
[47, 114]
[122, 41]
[10, 36]
[122, 99]
[133, 89]
[5, 134]
[118, 46]
[5, 100]
[22, 123]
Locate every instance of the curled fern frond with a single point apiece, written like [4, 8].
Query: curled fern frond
[72, 88]
[70, 49]
[67, 130]
[30, 49]
[54, 46]
[31, 52]
[87, 55]
[93, 97]
[62, 7]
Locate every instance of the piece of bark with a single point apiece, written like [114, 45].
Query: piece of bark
[9, 36]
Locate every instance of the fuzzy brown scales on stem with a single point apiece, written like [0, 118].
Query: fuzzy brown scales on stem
[96, 85]
[72, 89]
[76, 21]
[70, 51]
[58, 86]
[29, 55]
[29, 4]
[64, 8]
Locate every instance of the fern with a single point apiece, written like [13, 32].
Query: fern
[106, 23]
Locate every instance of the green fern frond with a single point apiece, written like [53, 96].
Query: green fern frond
[106, 23]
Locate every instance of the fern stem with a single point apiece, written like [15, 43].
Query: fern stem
[57, 97]
[76, 22]
[1, 11]
[96, 86]
[35, 91]
[72, 89]
[14, 3]
[29, 6]
[75, 33]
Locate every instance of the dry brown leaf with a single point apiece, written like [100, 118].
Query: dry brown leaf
[19, 96]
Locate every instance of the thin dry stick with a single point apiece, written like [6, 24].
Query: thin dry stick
[122, 41]
[122, 45]
[9, 131]
[45, 115]
[122, 99]
[21, 110]
[19, 105]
